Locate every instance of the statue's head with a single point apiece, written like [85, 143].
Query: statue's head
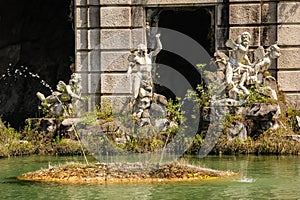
[75, 79]
[61, 86]
[245, 38]
[142, 48]
[274, 51]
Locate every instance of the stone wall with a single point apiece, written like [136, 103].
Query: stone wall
[270, 21]
[107, 29]
[288, 18]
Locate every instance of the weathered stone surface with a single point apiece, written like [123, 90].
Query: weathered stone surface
[268, 35]
[94, 39]
[289, 35]
[93, 2]
[137, 16]
[289, 80]
[158, 98]
[176, 2]
[114, 2]
[115, 17]
[244, 14]
[94, 61]
[81, 39]
[221, 37]
[119, 103]
[115, 39]
[222, 14]
[261, 111]
[161, 124]
[81, 61]
[270, 81]
[237, 130]
[80, 2]
[115, 83]
[157, 111]
[288, 12]
[243, 1]
[114, 61]
[71, 121]
[293, 100]
[137, 37]
[289, 59]
[81, 17]
[234, 32]
[84, 82]
[94, 83]
[268, 11]
[93, 17]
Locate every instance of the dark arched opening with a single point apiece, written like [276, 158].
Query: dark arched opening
[196, 23]
[38, 35]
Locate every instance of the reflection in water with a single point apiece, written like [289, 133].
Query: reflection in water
[260, 177]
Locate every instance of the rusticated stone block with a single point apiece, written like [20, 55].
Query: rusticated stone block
[94, 39]
[80, 2]
[268, 11]
[242, 1]
[81, 17]
[288, 12]
[114, 61]
[137, 16]
[268, 35]
[81, 39]
[289, 59]
[234, 32]
[93, 2]
[84, 82]
[94, 83]
[289, 80]
[81, 62]
[293, 100]
[118, 103]
[221, 37]
[137, 37]
[244, 14]
[115, 39]
[94, 17]
[289, 35]
[115, 83]
[114, 2]
[115, 17]
[222, 15]
[178, 2]
[94, 61]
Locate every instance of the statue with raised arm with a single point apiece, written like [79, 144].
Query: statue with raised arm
[142, 82]
[239, 67]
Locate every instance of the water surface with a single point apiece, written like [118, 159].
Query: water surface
[261, 177]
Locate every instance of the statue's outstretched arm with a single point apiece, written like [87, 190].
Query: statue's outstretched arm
[71, 93]
[158, 44]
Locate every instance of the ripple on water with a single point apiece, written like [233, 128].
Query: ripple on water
[244, 179]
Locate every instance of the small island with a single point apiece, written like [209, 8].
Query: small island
[124, 172]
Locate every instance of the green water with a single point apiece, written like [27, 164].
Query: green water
[261, 177]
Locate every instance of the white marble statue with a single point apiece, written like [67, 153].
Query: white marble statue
[142, 81]
[240, 72]
[239, 66]
[62, 101]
